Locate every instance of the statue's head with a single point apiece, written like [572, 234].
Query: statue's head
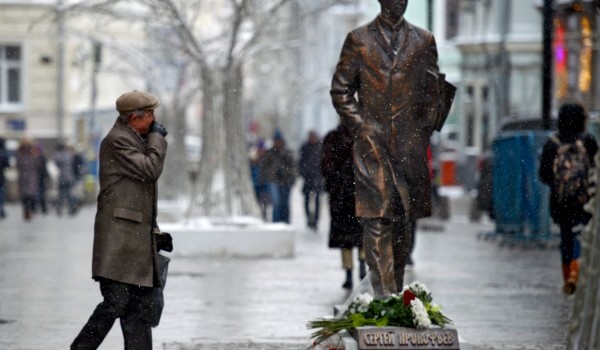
[393, 9]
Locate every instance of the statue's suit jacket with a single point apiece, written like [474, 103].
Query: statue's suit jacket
[389, 117]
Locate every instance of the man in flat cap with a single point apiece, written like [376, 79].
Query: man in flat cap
[385, 89]
[125, 231]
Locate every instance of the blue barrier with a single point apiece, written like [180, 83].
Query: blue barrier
[521, 201]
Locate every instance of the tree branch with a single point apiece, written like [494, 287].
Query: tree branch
[259, 28]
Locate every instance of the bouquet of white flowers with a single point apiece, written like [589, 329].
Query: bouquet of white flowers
[412, 309]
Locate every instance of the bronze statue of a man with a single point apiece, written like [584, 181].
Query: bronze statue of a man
[388, 89]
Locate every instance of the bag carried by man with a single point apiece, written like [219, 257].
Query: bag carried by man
[164, 241]
[571, 172]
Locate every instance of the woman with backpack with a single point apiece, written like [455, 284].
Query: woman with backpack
[565, 165]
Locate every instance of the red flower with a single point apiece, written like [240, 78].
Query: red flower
[408, 296]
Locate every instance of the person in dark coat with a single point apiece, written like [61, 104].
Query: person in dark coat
[80, 168]
[44, 178]
[345, 230]
[4, 164]
[568, 214]
[64, 158]
[29, 161]
[386, 89]
[261, 188]
[278, 169]
[308, 165]
[125, 231]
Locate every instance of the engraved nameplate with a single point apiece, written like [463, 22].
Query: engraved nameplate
[399, 338]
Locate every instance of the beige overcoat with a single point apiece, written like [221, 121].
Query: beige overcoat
[388, 117]
[124, 243]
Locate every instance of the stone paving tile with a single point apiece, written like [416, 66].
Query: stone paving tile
[500, 298]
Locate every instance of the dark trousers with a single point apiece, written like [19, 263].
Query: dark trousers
[129, 303]
[280, 195]
[312, 211]
[28, 206]
[2, 199]
[413, 236]
[65, 198]
[387, 244]
[40, 199]
[569, 243]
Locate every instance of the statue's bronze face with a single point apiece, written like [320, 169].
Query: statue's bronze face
[393, 9]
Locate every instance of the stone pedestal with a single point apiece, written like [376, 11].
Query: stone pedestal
[399, 338]
[395, 338]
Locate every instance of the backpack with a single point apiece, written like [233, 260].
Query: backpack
[571, 168]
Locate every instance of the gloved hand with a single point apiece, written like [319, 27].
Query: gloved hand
[164, 241]
[159, 128]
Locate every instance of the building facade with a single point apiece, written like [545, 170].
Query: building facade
[576, 53]
[56, 82]
[500, 44]
[501, 47]
[28, 73]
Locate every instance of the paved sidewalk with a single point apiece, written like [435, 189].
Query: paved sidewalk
[499, 298]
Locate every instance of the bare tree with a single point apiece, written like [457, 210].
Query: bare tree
[171, 82]
[217, 38]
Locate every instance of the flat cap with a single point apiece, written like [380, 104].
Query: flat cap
[135, 99]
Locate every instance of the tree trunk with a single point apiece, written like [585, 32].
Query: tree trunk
[224, 150]
[238, 185]
[201, 193]
[175, 163]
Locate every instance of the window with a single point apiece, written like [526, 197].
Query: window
[470, 131]
[470, 92]
[452, 18]
[11, 76]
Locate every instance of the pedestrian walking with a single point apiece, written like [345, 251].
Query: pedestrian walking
[279, 171]
[41, 201]
[80, 168]
[29, 162]
[64, 160]
[310, 170]
[345, 230]
[4, 164]
[565, 165]
[261, 188]
[388, 89]
[125, 231]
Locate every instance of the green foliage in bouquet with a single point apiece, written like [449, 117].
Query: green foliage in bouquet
[414, 308]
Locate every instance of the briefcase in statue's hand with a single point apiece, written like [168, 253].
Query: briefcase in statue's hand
[447, 93]
[440, 95]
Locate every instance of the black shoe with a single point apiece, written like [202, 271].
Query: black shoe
[347, 285]
[362, 270]
[569, 288]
